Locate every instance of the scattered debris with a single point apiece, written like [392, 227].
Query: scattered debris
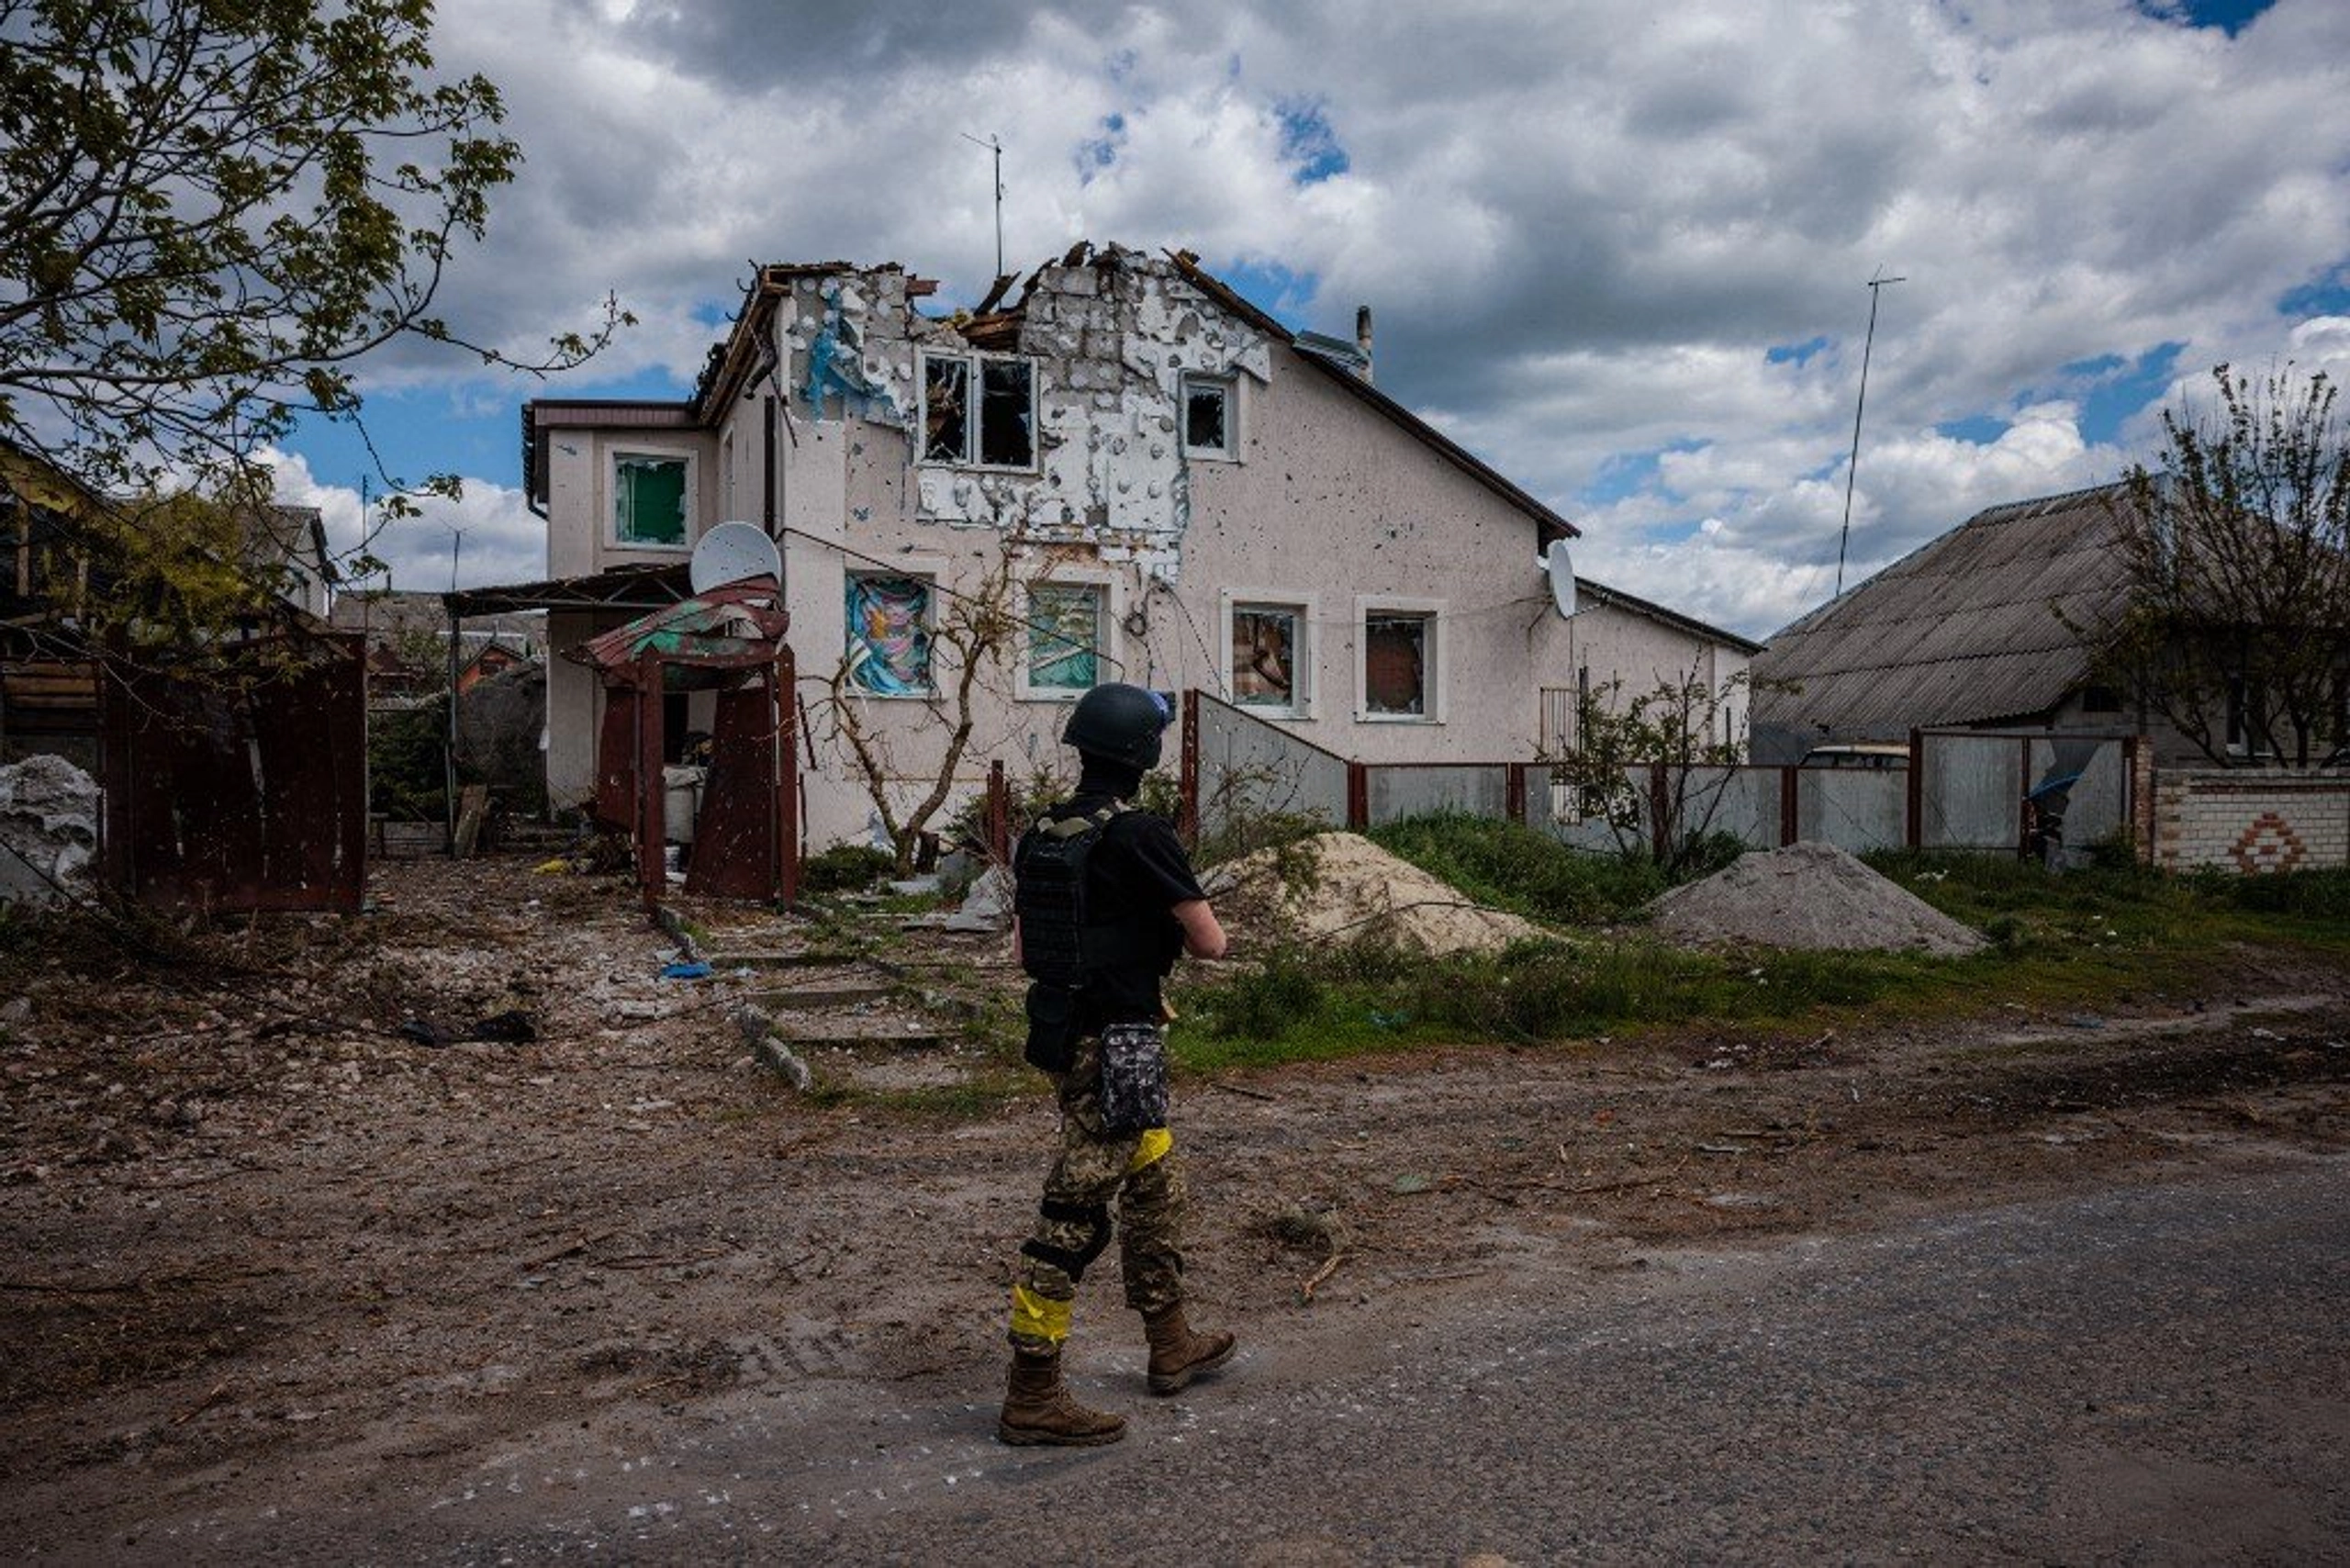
[1342, 887]
[685, 971]
[512, 1027]
[1808, 896]
[48, 830]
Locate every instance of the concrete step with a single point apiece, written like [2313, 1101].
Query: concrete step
[726, 963]
[809, 1033]
[819, 998]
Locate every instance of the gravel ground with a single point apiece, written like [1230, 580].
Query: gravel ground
[263, 1252]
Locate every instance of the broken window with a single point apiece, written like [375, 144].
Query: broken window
[997, 430]
[888, 635]
[1064, 637]
[1395, 664]
[1268, 655]
[648, 499]
[1207, 417]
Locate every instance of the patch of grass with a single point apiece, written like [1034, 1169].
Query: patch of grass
[2082, 940]
[1517, 868]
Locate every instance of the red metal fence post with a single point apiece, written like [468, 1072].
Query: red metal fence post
[1514, 791]
[1187, 812]
[1358, 797]
[1914, 825]
[1790, 804]
[652, 869]
[783, 673]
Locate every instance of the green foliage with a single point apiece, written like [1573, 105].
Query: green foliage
[845, 868]
[2236, 559]
[213, 210]
[1517, 868]
[406, 753]
[1679, 722]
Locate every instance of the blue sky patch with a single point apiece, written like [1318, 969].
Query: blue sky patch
[2231, 16]
[1794, 353]
[1279, 293]
[1629, 472]
[1309, 145]
[2328, 295]
[476, 430]
[1976, 429]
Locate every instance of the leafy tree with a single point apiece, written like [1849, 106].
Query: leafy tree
[1680, 724]
[213, 210]
[2236, 556]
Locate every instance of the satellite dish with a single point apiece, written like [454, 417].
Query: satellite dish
[733, 552]
[1561, 573]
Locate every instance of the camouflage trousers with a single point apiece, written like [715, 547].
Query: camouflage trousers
[1138, 1171]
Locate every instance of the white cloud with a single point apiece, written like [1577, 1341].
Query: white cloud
[1583, 225]
[488, 535]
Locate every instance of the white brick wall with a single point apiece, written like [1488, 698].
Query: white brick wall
[2251, 821]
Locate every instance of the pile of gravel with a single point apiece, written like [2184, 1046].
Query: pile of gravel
[1341, 887]
[1808, 896]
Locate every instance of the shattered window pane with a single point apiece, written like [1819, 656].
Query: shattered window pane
[888, 635]
[945, 410]
[1064, 636]
[649, 500]
[1264, 656]
[1007, 414]
[1207, 416]
[1395, 664]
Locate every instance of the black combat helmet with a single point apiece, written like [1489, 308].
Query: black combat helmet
[1119, 724]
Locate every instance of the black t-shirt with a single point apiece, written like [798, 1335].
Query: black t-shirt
[1138, 873]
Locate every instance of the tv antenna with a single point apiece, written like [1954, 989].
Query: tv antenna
[1852, 467]
[995, 145]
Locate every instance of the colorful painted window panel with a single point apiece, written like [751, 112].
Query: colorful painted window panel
[649, 500]
[1395, 664]
[1064, 637]
[1267, 656]
[888, 635]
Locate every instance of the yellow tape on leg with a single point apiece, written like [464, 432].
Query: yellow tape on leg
[1036, 1317]
[1153, 1147]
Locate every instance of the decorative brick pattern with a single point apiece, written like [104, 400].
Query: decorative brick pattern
[2268, 844]
[2251, 823]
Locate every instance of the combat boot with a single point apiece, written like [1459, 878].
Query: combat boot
[1177, 1353]
[1039, 1408]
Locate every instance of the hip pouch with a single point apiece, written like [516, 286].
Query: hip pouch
[1052, 1027]
[1134, 1077]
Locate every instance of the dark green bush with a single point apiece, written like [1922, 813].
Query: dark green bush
[1515, 867]
[845, 869]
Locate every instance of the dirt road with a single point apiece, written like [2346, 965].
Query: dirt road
[275, 1274]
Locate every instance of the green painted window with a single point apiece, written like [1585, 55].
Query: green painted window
[1064, 636]
[648, 499]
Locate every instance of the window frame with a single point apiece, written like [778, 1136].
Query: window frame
[1230, 387]
[974, 362]
[1105, 587]
[614, 457]
[928, 573]
[1432, 656]
[1303, 704]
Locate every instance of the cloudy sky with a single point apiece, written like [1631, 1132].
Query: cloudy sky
[1620, 250]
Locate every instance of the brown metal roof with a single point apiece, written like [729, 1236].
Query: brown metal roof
[1972, 627]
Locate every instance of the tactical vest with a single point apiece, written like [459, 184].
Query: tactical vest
[1060, 944]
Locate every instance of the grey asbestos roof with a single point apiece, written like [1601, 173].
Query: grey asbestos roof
[1966, 630]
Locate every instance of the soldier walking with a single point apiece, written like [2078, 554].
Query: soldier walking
[1106, 903]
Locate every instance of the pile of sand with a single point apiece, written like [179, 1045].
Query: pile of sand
[1340, 886]
[1808, 896]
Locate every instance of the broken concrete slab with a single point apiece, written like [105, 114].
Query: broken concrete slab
[49, 831]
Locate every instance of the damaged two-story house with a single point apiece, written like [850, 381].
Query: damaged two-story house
[1154, 480]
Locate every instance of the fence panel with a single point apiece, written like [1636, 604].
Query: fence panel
[1246, 767]
[1479, 790]
[1857, 809]
[1743, 801]
[1574, 814]
[2098, 804]
[1970, 792]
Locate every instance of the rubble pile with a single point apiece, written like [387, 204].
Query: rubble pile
[1808, 896]
[1341, 887]
[49, 829]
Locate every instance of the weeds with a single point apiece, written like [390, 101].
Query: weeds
[1517, 868]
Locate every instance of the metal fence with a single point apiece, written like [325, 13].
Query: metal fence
[2005, 791]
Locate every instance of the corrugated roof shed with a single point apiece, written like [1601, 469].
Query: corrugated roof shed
[1968, 629]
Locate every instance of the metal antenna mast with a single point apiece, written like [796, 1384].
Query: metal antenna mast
[1853, 467]
[995, 145]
